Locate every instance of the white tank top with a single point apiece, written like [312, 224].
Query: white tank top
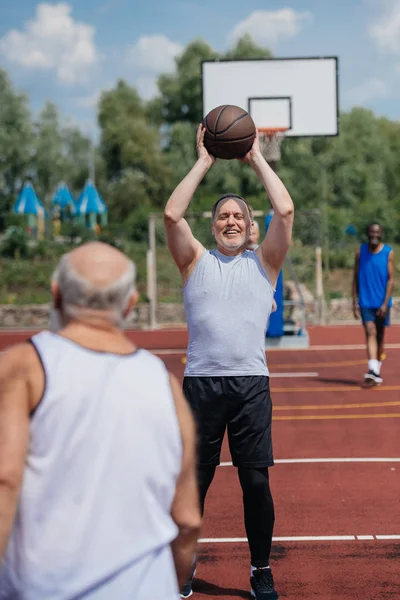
[93, 520]
[228, 300]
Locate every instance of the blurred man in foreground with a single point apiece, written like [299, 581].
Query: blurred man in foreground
[98, 495]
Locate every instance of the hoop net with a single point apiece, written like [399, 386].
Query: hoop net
[270, 142]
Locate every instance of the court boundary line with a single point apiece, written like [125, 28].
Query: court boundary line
[340, 417]
[345, 405]
[308, 538]
[389, 346]
[295, 461]
[293, 374]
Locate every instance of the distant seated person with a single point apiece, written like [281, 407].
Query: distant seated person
[254, 236]
[252, 245]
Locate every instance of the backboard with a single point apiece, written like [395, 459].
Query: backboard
[299, 95]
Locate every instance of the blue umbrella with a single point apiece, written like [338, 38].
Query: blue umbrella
[90, 201]
[28, 202]
[63, 197]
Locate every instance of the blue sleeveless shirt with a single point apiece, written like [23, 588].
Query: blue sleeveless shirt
[228, 301]
[373, 275]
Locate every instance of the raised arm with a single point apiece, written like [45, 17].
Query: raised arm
[273, 249]
[182, 244]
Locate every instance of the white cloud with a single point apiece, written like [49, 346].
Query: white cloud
[53, 40]
[155, 53]
[89, 101]
[269, 27]
[371, 89]
[147, 86]
[386, 29]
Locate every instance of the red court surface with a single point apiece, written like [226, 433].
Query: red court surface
[336, 481]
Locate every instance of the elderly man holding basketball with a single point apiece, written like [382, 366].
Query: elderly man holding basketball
[228, 295]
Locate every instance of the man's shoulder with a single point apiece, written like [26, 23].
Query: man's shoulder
[19, 360]
[150, 360]
[362, 250]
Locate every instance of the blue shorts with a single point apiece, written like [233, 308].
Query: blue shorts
[369, 314]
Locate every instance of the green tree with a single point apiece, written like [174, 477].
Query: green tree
[15, 143]
[180, 92]
[76, 149]
[181, 150]
[246, 47]
[135, 166]
[48, 161]
[180, 97]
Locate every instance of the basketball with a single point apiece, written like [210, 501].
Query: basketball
[230, 132]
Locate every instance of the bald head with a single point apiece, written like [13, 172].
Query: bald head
[94, 277]
[99, 264]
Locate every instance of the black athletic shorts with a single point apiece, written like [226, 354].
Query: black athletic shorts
[242, 405]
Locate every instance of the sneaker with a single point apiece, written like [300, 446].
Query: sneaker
[262, 585]
[186, 590]
[373, 378]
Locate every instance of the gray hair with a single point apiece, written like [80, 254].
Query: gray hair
[233, 197]
[79, 295]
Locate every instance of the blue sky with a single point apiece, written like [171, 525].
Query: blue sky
[69, 51]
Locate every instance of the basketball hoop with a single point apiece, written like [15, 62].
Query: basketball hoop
[270, 142]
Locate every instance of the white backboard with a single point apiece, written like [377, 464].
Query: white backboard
[300, 94]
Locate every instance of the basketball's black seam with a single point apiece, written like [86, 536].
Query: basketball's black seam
[217, 119]
[231, 124]
[241, 139]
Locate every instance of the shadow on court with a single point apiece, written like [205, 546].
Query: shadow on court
[341, 381]
[210, 589]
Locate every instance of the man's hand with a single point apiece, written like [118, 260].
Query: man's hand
[356, 310]
[254, 152]
[202, 151]
[381, 313]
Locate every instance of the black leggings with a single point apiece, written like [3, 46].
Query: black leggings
[259, 515]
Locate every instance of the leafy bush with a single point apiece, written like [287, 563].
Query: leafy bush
[15, 243]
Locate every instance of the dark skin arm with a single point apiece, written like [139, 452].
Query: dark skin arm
[356, 311]
[389, 286]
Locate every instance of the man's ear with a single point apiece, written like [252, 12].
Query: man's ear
[133, 300]
[55, 292]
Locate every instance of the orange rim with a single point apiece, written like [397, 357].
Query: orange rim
[271, 131]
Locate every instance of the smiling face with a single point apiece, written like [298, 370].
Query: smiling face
[374, 236]
[231, 226]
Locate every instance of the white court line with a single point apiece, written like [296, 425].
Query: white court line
[179, 351]
[298, 374]
[339, 347]
[293, 461]
[306, 538]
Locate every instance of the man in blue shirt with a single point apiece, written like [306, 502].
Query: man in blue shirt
[372, 296]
